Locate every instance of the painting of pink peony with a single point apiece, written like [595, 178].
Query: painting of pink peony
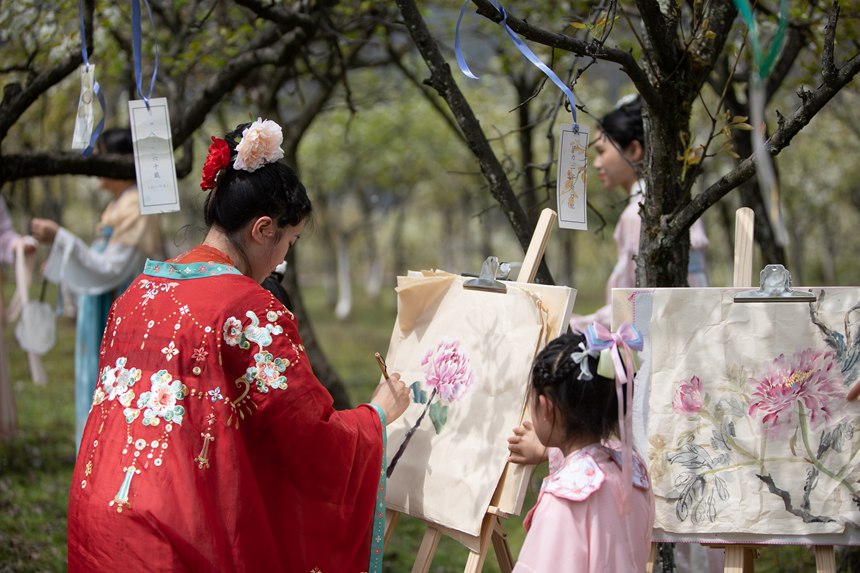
[448, 371]
[750, 435]
[688, 398]
[807, 382]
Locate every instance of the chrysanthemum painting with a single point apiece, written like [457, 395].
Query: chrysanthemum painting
[748, 401]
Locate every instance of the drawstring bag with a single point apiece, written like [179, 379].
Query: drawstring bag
[36, 330]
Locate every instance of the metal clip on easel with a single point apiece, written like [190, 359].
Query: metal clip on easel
[775, 287]
[487, 279]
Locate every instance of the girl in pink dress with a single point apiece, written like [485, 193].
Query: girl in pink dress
[591, 514]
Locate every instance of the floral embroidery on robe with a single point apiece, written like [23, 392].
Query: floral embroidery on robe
[211, 445]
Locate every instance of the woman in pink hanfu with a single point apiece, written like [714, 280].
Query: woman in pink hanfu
[591, 516]
[620, 147]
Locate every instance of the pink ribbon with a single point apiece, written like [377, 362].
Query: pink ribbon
[626, 339]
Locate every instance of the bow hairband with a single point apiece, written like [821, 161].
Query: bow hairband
[619, 362]
[581, 358]
[599, 339]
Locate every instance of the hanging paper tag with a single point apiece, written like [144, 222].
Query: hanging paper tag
[153, 156]
[570, 185]
[84, 118]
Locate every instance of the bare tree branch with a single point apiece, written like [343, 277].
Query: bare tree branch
[636, 74]
[811, 104]
[444, 84]
[659, 33]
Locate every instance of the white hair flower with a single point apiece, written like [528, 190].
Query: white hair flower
[260, 145]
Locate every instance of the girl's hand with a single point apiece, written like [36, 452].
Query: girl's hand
[392, 396]
[854, 392]
[525, 447]
[28, 243]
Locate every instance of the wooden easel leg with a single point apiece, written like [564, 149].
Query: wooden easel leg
[500, 545]
[428, 548]
[649, 567]
[475, 561]
[739, 559]
[734, 559]
[391, 518]
[825, 559]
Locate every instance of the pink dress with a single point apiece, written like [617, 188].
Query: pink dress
[577, 524]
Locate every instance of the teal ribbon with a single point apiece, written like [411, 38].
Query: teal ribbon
[764, 62]
[378, 536]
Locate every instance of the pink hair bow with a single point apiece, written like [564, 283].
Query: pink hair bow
[616, 350]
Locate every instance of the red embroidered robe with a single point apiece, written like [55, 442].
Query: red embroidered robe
[211, 445]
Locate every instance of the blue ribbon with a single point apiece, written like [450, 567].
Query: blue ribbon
[97, 90]
[524, 50]
[135, 42]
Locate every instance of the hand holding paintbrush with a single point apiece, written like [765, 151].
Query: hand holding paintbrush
[393, 395]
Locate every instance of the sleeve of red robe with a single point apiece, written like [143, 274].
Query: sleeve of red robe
[327, 469]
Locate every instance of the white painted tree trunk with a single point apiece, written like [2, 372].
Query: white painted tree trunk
[344, 285]
[375, 274]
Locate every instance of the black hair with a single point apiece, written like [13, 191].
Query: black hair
[273, 190]
[587, 407]
[116, 140]
[624, 124]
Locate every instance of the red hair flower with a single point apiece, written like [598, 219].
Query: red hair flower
[218, 159]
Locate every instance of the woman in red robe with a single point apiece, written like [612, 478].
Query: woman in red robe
[211, 445]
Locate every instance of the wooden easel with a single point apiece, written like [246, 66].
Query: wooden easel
[513, 478]
[740, 558]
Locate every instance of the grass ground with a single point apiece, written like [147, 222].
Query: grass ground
[36, 466]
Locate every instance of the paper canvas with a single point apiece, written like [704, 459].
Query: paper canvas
[467, 356]
[748, 430]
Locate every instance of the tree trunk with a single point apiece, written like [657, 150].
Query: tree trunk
[375, 276]
[448, 249]
[374, 260]
[329, 243]
[344, 283]
[664, 252]
[321, 366]
[524, 89]
[486, 233]
[400, 263]
[828, 262]
[568, 257]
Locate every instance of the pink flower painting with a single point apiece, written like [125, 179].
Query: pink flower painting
[688, 397]
[809, 377]
[448, 370]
